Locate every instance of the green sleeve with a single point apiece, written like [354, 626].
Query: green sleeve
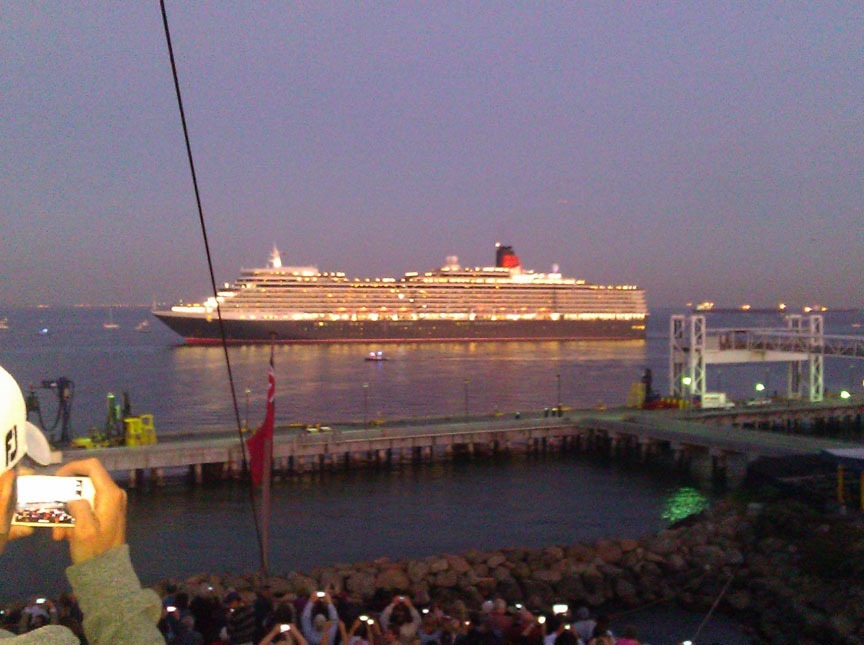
[116, 609]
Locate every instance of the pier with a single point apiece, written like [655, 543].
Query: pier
[709, 445]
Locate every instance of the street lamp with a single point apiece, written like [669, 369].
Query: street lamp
[246, 420]
[760, 387]
[558, 399]
[365, 405]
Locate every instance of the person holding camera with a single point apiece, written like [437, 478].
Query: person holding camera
[115, 607]
[319, 617]
[401, 619]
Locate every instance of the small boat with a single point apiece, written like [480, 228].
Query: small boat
[4, 324]
[143, 327]
[44, 332]
[376, 357]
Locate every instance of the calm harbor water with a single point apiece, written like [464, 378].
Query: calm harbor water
[345, 517]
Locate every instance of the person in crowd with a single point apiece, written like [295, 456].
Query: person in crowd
[555, 626]
[263, 608]
[363, 631]
[430, 631]
[602, 633]
[479, 632]
[630, 637]
[567, 637]
[38, 613]
[499, 618]
[284, 633]
[401, 619]
[208, 612]
[115, 607]
[584, 625]
[319, 613]
[239, 621]
[526, 629]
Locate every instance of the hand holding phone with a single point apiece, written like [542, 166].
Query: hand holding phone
[100, 527]
[42, 501]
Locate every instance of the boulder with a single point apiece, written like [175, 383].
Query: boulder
[393, 578]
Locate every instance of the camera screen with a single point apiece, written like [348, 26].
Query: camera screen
[41, 500]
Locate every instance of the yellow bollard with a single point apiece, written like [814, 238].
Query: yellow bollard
[133, 431]
[148, 430]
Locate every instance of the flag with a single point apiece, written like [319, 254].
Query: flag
[259, 442]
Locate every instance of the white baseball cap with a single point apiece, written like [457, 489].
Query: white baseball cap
[17, 435]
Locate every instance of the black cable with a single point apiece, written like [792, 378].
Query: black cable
[212, 280]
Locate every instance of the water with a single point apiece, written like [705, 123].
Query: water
[347, 517]
[187, 388]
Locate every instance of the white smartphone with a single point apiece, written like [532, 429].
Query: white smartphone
[41, 499]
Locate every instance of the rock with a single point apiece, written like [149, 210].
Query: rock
[495, 560]
[626, 592]
[548, 575]
[608, 551]
[361, 584]
[458, 564]
[579, 553]
[438, 565]
[552, 554]
[627, 545]
[417, 570]
[446, 579]
[393, 578]
[570, 586]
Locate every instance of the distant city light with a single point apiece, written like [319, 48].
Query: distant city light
[760, 387]
[844, 394]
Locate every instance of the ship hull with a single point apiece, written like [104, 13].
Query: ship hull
[203, 330]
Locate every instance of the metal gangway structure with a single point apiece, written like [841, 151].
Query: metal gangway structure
[692, 347]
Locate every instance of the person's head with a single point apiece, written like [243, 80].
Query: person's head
[499, 606]
[583, 613]
[318, 622]
[566, 637]
[233, 600]
[20, 436]
[400, 614]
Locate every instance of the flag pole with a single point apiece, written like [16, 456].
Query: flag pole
[265, 492]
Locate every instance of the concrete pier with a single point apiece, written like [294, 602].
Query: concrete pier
[703, 446]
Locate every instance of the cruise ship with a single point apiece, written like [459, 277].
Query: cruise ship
[297, 304]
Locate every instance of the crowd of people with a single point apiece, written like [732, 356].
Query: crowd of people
[332, 618]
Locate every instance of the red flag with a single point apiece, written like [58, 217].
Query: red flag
[263, 438]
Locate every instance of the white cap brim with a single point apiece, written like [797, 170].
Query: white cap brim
[38, 448]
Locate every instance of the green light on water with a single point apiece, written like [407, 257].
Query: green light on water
[684, 502]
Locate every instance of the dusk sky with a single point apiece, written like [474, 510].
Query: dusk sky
[704, 150]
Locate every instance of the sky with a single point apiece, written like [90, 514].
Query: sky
[704, 151]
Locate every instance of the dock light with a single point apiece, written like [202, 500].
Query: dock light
[760, 387]
[844, 394]
[687, 380]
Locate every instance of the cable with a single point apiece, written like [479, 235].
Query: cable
[212, 279]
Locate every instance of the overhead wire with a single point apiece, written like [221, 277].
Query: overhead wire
[212, 278]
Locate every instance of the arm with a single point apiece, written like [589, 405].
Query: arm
[116, 609]
[334, 622]
[306, 617]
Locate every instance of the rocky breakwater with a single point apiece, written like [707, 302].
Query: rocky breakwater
[766, 565]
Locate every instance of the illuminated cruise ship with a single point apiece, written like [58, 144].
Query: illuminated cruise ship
[504, 302]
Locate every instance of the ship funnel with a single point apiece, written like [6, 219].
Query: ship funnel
[452, 263]
[506, 258]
